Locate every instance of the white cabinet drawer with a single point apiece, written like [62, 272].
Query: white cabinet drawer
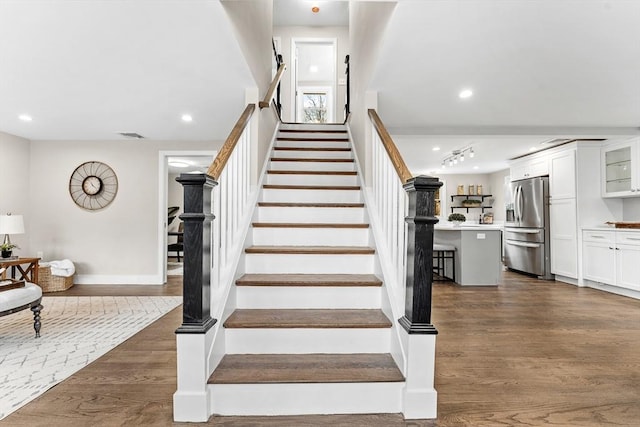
[600, 236]
[628, 238]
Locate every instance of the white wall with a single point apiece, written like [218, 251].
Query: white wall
[252, 22]
[286, 34]
[367, 25]
[118, 244]
[496, 183]
[451, 187]
[14, 187]
[631, 209]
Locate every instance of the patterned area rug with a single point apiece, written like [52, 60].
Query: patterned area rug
[75, 332]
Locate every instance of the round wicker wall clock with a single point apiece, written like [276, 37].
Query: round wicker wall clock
[93, 185]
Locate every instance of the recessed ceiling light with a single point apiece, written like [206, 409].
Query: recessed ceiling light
[187, 118]
[178, 164]
[466, 93]
[313, 68]
[436, 148]
[532, 148]
[476, 167]
[25, 117]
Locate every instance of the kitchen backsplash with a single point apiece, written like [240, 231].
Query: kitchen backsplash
[631, 209]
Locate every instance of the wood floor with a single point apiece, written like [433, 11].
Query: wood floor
[527, 353]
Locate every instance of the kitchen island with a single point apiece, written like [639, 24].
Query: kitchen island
[478, 252]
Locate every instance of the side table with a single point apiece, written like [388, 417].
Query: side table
[28, 273]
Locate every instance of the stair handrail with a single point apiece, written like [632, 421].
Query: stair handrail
[216, 168]
[402, 207]
[394, 155]
[272, 87]
[347, 105]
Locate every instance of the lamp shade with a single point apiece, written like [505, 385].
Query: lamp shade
[11, 224]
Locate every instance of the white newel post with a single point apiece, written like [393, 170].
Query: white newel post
[420, 397]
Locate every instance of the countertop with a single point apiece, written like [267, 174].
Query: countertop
[606, 228]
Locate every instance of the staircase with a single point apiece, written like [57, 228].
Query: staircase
[308, 335]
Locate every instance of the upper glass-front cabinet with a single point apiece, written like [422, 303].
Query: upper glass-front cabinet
[621, 169]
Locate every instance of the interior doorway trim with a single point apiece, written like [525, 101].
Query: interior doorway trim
[163, 172]
[294, 73]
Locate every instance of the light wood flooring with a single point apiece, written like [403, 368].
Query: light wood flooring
[527, 353]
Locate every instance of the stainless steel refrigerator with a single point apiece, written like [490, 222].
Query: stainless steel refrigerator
[526, 232]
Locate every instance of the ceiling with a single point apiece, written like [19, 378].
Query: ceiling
[298, 13]
[538, 70]
[89, 69]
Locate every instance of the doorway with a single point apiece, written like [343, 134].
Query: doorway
[170, 197]
[314, 79]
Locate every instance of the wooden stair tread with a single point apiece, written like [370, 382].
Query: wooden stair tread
[309, 280]
[309, 225]
[312, 148]
[303, 159]
[251, 318]
[306, 368]
[310, 187]
[311, 250]
[293, 172]
[291, 138]
[309, 205]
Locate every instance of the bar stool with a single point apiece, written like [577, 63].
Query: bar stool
[441, 253]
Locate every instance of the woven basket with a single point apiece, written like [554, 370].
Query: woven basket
[50, 283]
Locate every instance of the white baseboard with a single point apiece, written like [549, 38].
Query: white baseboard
[107, 279]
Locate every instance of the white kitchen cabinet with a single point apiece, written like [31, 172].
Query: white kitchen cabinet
[598, 256]
[562, 175]
[564, 239]
[621, 169]
[529, 167]
[612, 258]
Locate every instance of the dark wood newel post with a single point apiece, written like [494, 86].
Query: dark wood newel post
[197, 217]
[420, 219]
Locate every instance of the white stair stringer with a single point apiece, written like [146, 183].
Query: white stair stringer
[306, 398]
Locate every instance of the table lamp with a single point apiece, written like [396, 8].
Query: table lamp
[11, 224]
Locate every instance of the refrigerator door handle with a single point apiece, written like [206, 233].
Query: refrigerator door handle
[525, 230]
[515, 204]
[520, 202]
[523, 244]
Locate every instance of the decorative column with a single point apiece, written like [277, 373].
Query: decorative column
[420, 398]
[191, 401]
[197, 217]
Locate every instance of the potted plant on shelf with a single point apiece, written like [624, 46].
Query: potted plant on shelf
[7, 248]
[457, 218]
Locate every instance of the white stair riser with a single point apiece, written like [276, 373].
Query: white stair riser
[303, 341]
[304, 214]
[300, 179]
[309, 264]
[318, 196]
[313, 143]
[312, 126]
[310, 236]
[311, 166]
[333, 297]
[308, 154]
[306, 399]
